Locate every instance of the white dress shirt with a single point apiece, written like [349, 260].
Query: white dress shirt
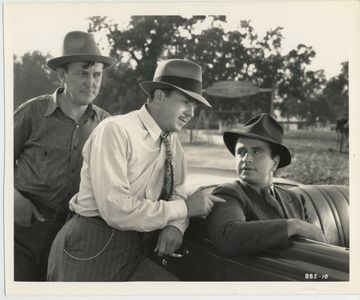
[123, 175]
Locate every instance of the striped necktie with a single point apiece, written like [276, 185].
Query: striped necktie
[168, 187]
[271, 200]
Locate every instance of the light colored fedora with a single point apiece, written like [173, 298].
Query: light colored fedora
[179, 74]
[261, 127]
[80, 46]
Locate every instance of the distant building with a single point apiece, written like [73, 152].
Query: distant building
[291, 123]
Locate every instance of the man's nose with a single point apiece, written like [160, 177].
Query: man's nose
[247, 157]
[191, 110]
[90, 80]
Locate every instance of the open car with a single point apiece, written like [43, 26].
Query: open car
[304, 260]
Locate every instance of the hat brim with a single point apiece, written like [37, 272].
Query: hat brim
[57, 62]
[230, 139]
[149, 86]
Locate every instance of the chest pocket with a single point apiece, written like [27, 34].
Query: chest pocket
[49, 164]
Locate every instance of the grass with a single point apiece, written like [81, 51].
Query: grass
[315, 159]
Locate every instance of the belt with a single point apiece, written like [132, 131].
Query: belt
[99, 218]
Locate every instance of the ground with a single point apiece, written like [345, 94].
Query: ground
[315, 159]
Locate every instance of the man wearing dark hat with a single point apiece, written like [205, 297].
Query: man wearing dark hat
[132, 183]
[258, 215]
[49, 134]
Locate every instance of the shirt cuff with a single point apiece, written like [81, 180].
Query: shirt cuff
[176, 209]
[181, 224]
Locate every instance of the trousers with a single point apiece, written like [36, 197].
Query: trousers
[31, 249]
[87, 249]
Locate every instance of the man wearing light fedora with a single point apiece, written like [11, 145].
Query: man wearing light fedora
[258, 215]
[132, 183]
[49, 134]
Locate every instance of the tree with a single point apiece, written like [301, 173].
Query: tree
[336, 94]
[31, 77]
[138, 49]
[237, 54]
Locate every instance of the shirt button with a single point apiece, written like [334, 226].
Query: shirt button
[72, 171]
[75, 148]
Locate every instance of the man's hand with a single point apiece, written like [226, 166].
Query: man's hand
[24, 209]
[305, 229]
[200, 203]
[169, 240]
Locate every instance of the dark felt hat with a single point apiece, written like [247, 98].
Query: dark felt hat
[261, 127]
[179, 74]
[80, 46]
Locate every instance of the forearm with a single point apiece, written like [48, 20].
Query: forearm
[127, 212]
[304, 229]
[236, 237]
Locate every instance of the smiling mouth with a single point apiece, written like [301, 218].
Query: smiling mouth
[184, 120]
[247, 169]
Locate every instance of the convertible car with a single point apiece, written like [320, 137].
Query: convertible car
[304, 260]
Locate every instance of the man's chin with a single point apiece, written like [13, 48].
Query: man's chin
[247, 178]
[178, 127]
[86, 101]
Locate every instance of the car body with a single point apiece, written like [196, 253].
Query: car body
[304, 260]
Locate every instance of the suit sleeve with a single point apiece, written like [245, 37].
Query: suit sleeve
[234, 234]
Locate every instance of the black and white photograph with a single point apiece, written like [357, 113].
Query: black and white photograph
[181, 148]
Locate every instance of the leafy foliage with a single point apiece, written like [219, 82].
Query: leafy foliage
[236, 54]
[31, 77]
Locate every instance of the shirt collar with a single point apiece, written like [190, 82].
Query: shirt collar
[54, 104]
[271, 187]
[149, 123]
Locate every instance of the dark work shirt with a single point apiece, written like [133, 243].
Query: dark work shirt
[48, 150]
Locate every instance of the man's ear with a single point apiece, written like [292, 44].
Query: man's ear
[159, 96]
[61, 74]
[276, 160]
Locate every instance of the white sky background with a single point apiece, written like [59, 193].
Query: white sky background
[323, 25]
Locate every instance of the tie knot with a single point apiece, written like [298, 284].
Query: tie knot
[164, 136]
[267, 191]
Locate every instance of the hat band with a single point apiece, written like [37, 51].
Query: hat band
[182, 82]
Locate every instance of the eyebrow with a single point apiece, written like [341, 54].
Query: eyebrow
[187, 97]
[239, 148]
[86, 66]
[253, 148]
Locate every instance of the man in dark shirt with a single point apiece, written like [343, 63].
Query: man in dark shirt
[258, 215]
[49, 134]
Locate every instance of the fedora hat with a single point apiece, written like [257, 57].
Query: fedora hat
[261, 127]
[179, 74]
[80, 46]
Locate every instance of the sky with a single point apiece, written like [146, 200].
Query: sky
[326, 26]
